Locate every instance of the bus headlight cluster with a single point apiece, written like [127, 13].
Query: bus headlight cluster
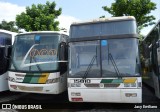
[55, 80]
[75, 84]
[11, 79]
[129, 84]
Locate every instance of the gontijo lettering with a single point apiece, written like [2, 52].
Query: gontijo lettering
[35, 52]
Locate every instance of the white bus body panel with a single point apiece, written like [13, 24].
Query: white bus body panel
[52, 88]
[119, 94]
[4, 82]
[107, 95]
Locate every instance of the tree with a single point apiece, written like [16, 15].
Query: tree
[10, 26]
[140, 9]
[40, 17]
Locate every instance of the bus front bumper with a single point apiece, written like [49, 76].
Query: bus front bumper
[105, 95]
[35, 88]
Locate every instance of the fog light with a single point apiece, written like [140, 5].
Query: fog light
[131, 94]
[75, 94]
[13, 86]
[77, 99]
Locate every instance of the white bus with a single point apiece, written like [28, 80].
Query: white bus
[151, 59]
[39, 62]
[6, 38]
[104, 61]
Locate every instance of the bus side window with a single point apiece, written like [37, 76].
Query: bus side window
[158, 52]
[146, 50]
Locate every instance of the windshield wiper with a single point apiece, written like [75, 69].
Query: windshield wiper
[89, 66]
[36, 64]
[114, 65]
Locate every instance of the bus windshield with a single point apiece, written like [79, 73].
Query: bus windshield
[124, 53]
[35, 53]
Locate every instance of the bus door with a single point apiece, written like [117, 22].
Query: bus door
[3, 61]
[3, 68]
[156, 67]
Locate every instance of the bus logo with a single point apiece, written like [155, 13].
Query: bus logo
[82, 81]
[35, 52]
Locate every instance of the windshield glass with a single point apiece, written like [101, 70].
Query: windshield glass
[124, 54]
[84, 59]
[116, 58]
[35, 53]
[5, 39]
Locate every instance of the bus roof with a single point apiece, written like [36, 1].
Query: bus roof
[35, 32]
[120, 18]
[151, 30]
[8, 32]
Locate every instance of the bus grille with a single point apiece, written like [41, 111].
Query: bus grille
[91, 85]
[111, 85]
[24, 88]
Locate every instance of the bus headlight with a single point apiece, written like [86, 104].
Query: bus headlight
[75, 84]
[11, 79]
[55, 80]
[130, 85]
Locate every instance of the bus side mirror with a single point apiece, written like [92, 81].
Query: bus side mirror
[158, 43]
[146, 50]
[63, 52]
[8, 50]
[63, 56]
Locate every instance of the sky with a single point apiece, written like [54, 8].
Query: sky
[72, 10]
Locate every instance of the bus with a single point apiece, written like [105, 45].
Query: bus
[6, 39]
[39, 62]
[150, 56]
[104, 64]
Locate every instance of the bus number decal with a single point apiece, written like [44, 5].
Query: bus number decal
[82, 81]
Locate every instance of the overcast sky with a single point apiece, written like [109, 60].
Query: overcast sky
[72, 10]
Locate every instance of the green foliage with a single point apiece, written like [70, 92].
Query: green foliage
[10, 26]
[140, 9]
[39, 17]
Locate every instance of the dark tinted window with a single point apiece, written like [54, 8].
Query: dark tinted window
[103, 29]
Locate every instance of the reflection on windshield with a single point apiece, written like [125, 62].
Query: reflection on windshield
[35, 53]
[5, 39]
[82, 54]
[124, 53]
